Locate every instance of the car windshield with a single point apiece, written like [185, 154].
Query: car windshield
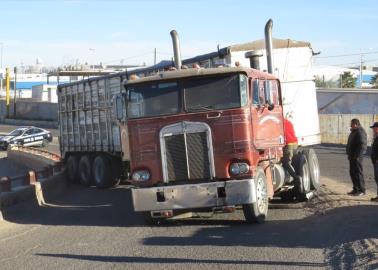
[213, 93]
[16, 132]
[153, 99]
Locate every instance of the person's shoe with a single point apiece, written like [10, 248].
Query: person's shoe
[375, 199]
[352, 192]
[359, 193]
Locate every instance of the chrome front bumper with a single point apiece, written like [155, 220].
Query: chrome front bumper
[214, 194]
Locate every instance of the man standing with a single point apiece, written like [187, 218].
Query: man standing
[374, 156]
[355, 149]
[290, 149]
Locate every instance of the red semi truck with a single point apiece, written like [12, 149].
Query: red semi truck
[210, 140]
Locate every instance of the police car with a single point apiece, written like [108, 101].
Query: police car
[26, 136]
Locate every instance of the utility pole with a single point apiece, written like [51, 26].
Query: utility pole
[7, 90]
[15, 90]
[155, 56]
[361, 70]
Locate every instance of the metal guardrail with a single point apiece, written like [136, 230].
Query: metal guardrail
[32, 176]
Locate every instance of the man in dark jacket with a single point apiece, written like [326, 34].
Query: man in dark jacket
[374, 156]
[357, 144]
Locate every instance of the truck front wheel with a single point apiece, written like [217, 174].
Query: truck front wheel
[102, 172]
[256, 212]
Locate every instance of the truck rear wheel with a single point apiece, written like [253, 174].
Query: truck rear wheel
[303, 185]
[102, 172]
[72, 168]
[313, 164]
[85, 170]
[256, 212]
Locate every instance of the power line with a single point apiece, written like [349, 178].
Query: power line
[352, 63]
[130, 57]
[343, 55]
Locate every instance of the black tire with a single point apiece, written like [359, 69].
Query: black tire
[102, 172]
[72, 166]
[85, 170]
[257, 212]
[313, 164]
[303, 185]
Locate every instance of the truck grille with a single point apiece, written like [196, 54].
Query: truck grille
[187, 156]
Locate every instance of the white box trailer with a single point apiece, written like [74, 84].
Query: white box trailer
[91, 140]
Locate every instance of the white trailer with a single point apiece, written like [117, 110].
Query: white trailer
[93, 142]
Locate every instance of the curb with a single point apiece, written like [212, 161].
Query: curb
[48, 181]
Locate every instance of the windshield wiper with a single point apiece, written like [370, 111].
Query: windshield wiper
[201, 107]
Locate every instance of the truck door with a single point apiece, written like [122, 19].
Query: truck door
[119, 110]
[267, 117]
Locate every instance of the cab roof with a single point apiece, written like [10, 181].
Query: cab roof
[197, 72]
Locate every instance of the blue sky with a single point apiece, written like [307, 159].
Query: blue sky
[63, 32]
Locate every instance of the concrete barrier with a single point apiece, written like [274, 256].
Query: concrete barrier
[35, 185]
[335, 128]
[34, 158]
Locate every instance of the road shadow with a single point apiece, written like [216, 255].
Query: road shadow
[347, 235]
[89, 206]
[79, 206]
[183, 261]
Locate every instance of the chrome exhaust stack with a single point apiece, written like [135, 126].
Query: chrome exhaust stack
[269, 45]
[176, 49]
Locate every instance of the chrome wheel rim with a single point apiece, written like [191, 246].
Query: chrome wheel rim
[306, 178]
[261, 193]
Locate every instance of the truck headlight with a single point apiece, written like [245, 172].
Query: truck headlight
[142, 175]
[239, 168]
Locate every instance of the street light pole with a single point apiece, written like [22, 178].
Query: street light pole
[15, 90]
[361, 70]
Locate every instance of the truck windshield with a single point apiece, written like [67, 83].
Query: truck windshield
[154, 99]
[214, 93]
[200, 94]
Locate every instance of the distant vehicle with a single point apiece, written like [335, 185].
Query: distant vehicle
[26, 136]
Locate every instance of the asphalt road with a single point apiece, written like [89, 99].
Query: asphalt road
[87, 228]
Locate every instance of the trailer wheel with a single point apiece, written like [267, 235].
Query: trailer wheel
[72, 168]
[313, 164]
[256, 212]
[102, 172]
[303, 185]
[85, 170]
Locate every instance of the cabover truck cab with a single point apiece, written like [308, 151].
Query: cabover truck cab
[212, 139]
[206, 139]
[93, 141]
